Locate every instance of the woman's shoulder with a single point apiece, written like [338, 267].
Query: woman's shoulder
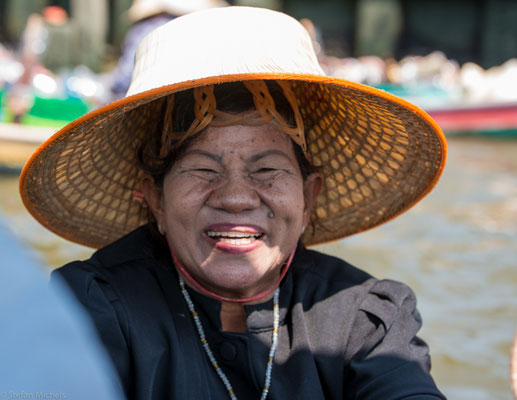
[120, 281]
[128, 257]
[324, 267]
[322, 276]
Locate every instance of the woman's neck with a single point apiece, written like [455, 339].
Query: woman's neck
[234, 317]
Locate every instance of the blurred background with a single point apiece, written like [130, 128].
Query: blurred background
[457, 59]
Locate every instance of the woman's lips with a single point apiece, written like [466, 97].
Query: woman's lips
[235, 238]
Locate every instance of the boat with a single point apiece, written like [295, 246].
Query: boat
[477, 119]
[456, 115]
[18, 142]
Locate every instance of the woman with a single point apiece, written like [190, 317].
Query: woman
[231, 153]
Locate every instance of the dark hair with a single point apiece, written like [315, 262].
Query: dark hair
[230, 97]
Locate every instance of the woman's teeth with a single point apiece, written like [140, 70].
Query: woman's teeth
[235, 238]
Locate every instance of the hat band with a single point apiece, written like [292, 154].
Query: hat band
[207, 114]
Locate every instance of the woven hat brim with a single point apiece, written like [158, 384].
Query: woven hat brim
[378, 153]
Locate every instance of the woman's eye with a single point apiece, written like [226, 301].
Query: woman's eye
[207, 170]
[265, 173]
[204, 173]
[263, 170]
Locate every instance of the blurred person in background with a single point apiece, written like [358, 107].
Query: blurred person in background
[48, 45]
[145, 16]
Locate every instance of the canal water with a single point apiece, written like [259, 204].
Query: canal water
[457, 249]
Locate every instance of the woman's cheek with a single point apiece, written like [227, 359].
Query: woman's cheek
[191, 189]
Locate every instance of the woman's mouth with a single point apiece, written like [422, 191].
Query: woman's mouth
[234, 238]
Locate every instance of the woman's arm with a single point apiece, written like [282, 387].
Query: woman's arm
[387, 360]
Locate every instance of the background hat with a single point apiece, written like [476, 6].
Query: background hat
[379, 154]
[141, 9]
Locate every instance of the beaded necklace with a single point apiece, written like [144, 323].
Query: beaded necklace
[211, 357]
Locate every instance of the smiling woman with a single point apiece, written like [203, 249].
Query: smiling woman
[237, 180]
[202, 188]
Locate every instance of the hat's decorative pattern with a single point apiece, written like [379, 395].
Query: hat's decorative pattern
[207, 114]
[374, 154]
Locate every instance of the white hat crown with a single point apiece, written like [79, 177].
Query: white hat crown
[223, 41]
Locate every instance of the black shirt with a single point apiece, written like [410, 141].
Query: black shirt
[343, 334]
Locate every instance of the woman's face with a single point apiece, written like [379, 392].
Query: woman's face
[233, 207]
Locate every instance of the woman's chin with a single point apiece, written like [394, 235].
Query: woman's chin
[239, 280]
[245, 273]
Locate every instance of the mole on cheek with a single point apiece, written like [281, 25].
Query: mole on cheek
[270, 185]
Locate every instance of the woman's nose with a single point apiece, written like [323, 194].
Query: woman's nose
[235, 193]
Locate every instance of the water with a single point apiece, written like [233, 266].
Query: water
[457, 249]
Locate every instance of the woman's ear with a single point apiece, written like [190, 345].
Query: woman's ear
[311, 189]
[153, 197]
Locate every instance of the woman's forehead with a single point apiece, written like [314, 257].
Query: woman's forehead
[241, 143]
[246, 138]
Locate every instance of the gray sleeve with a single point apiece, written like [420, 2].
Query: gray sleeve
[387, 359]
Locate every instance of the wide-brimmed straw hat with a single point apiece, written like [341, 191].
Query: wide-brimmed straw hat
[141, 9]
[379, 154]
